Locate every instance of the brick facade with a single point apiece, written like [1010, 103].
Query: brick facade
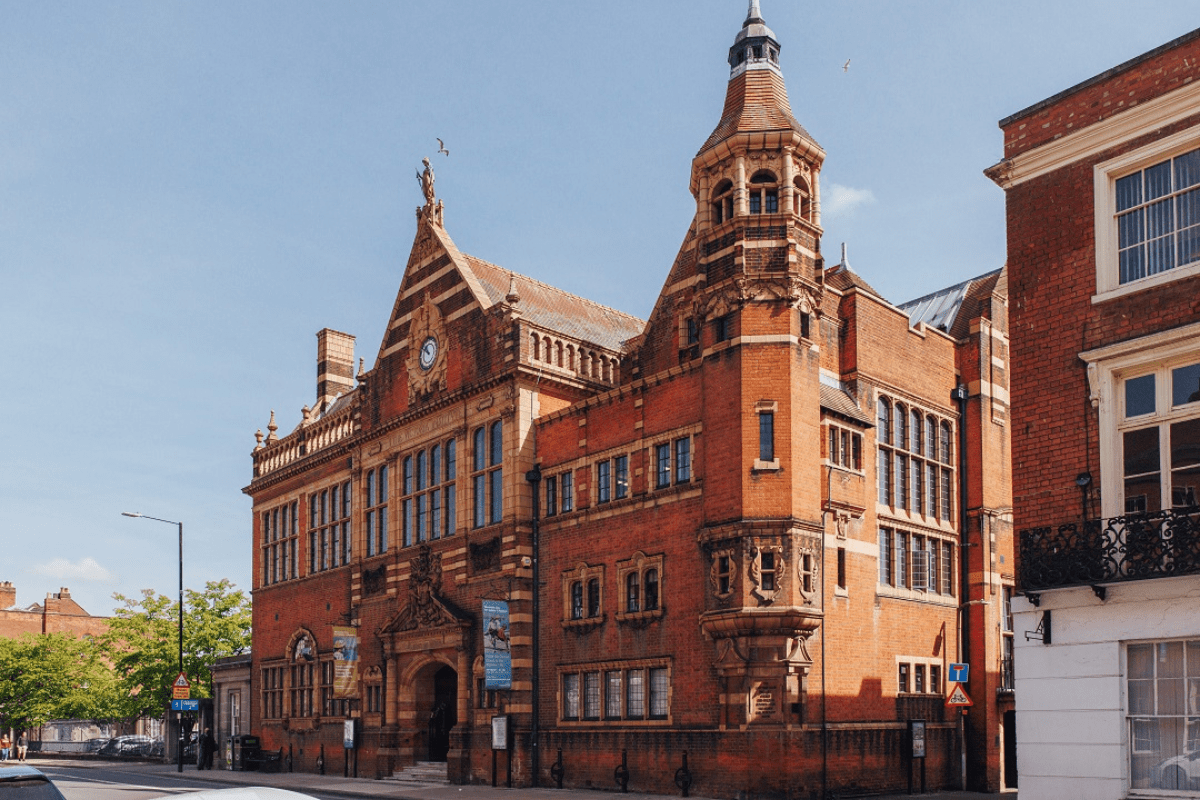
[58, 613]
[711, 583]
[1091, 313]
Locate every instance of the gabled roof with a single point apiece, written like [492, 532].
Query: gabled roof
[556, 310]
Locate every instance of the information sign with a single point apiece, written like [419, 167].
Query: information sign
[185, 705]
[181, 689]
[958, 673]
[500, 732]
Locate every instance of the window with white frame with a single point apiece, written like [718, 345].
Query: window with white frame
[1163, 713]
[1148, 215]
[1160, 437]
[1148, 392]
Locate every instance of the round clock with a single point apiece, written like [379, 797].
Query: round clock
[429, 350]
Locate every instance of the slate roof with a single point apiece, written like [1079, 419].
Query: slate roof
[555, 310]
[841, 403]
[944, 309]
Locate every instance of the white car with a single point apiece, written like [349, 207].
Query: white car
[27, 783]
[1179, 772]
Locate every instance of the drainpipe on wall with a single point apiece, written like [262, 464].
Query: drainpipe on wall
[960, 395]
[534, 476]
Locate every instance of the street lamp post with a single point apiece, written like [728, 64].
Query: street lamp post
[180, 525]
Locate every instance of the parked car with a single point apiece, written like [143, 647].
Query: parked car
[127, 746]
[97, 744]
[1179, 772]
[245, 793]
[27, 783]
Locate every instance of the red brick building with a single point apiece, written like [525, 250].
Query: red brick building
[1102, 182]
[58, 613]
[733, 530]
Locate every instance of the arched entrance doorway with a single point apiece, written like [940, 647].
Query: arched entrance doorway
[443, 715]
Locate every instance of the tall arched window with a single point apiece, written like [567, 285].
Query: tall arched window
[633, 601]
[804, 199]
[722, 202]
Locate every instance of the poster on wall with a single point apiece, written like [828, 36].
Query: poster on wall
[497, 650]
[345, 662]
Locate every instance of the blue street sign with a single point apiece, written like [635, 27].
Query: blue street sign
[958, 673]
[185, 705]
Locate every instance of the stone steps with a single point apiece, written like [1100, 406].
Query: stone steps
[423, 772]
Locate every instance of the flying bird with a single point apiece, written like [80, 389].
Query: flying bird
[442, 147]
[845, 68]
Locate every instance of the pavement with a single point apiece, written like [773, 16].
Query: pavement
[366, 787]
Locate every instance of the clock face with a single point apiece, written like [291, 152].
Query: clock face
[429, 349]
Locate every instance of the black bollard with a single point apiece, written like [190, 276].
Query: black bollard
[621, 773]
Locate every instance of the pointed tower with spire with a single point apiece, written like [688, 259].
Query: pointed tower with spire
[756, 233]
[740, 315]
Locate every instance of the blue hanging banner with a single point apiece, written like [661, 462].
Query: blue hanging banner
[497, 648]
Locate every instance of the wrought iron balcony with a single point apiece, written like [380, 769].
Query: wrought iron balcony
[1101, 551]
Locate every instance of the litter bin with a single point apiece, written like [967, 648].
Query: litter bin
[243, 752]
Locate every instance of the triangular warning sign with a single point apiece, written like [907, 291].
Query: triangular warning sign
[181, 681]
[958, 697]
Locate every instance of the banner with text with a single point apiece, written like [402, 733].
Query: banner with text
[497, 651]
[345, 662]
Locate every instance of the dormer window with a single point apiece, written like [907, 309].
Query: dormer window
[722, 203]
[764, 195]
[757, 51]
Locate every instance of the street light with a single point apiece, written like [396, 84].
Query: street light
[180, 524]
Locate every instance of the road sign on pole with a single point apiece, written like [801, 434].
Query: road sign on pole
[185, 705]
[959, 697]
[958, 673]
[181, 689]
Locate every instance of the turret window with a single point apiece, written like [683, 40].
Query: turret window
[722, 203]
[764, 197]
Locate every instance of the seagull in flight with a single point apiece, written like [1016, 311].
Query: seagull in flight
[845, 68]
[442, 146]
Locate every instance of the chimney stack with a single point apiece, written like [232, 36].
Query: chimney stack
[8, 595]
[335, 366]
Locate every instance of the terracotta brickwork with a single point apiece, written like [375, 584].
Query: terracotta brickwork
[58, 613]
[694, 502]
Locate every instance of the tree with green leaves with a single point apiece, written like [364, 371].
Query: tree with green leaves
[54, 676]
[143, 642]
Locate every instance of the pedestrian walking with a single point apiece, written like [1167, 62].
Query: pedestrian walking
[22, 747]
[206, 747]
[5, 746]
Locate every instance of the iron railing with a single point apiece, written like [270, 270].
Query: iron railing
[1100, 551]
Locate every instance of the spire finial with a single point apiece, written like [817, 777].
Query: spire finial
[513, 296]
[755, 13]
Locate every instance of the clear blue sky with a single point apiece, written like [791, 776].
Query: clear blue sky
[190, 190]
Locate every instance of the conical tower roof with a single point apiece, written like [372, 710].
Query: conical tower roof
[756, 99]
